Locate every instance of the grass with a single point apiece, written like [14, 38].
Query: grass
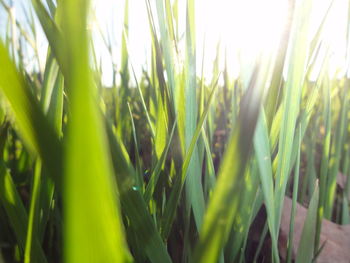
[170, 166]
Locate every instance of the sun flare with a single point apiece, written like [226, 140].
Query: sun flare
[244, 29]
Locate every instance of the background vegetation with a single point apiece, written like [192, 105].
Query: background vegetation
[169, 167]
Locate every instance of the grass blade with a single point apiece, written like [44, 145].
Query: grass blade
[93, 227]
[306, 245]
[16, 212]
[174, 198]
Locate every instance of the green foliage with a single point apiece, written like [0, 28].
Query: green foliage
[172, 165]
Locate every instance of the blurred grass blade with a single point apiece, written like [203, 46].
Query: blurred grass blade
[37, 133]
[93, 226]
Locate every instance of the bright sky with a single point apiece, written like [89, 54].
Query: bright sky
[248, 26]
[242, 26]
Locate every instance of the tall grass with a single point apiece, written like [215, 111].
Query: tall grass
[169, 166]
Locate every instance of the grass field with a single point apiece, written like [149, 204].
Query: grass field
[172, 165]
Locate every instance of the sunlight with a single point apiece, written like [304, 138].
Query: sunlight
[250, 26]
[244, 29]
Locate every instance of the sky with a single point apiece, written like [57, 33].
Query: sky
[234, 23]
[244, 27]
[247, 27]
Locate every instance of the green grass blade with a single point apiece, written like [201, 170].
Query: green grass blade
[157, 169]
[33, 222]
[194, 189]
[263, 156]
[224, 201]
[325, 158]
[50, 76]
[54, 115]
[161, 129]
[124, 72]
[306, 245]
[291, 100]
[210, 179]
[170, 210]
[133, 203]
[256, 205]
[294, 202]
[345, 219]
[37, 133]
[138, 179]
[52, 32]
[93, 229]
[250, 200]
[336, 150]
[168, 53]
[143, 103]
[275, 91]
[16, 212]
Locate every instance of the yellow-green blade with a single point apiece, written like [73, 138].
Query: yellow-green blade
[93, 229]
